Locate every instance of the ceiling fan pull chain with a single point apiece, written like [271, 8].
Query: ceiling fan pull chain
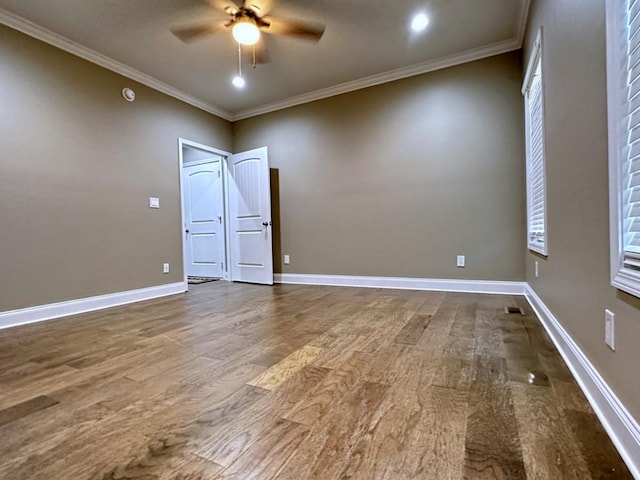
[239, 60]
[254, 56]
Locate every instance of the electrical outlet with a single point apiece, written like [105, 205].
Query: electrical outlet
[154, 202]
[165, 268]
[610, 329]
[460, 261]
[287, 260]
[536, 269]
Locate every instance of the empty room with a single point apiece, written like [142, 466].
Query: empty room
[297, 240]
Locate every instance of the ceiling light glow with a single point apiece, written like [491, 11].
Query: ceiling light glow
[246, 32]
[238, 82]
[419, 22]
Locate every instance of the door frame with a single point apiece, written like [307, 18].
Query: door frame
[183, 142]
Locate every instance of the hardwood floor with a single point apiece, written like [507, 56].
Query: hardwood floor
[235, 381]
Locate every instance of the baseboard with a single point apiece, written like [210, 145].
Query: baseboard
[41, 313]
[464, 286]
[618, 422]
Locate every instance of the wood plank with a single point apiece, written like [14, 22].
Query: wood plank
[282, 371]
[570, 396]
[413, 330]
[455, 369]
[168, 367]
[329, 446]
[264, 459]
[226, 444]
[164, 459]
[599, 453]
[338, 351]
[23, 409]
[393, 364]
[293, 390]
[548, 445]
[437, 332]
[199, 376]
[417, 432]
[488, 338]
[464, 324]
[436, 446]
[317, 403]
[492, 447]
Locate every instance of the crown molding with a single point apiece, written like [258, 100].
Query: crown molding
[524, 17]
[36, 31]
[390, 76]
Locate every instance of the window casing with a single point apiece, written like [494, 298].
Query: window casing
[623, 80]
[533, 91]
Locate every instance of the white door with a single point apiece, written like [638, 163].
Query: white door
[250, 217]
[204, 214]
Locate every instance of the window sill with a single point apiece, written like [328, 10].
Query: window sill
[538, 249]
[626, 282]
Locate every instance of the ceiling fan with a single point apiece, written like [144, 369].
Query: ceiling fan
[247, 21]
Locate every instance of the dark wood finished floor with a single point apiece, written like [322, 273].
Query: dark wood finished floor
[235, 381]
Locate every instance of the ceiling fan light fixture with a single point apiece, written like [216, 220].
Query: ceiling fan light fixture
[246, 32]
[419, 22]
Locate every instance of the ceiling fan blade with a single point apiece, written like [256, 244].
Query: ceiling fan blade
[228, 6]
[261, 7]
[196, 32]
[295, 28]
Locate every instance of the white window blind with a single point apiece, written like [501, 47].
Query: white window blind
[631, 161]
[623, 79]
[536, 191]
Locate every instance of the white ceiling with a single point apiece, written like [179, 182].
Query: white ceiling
[365, 42]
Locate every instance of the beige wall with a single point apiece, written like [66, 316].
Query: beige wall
[574, 279]
[77, 166]
[398, 179]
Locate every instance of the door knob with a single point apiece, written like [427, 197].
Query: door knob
[186, 231]
[265, 224]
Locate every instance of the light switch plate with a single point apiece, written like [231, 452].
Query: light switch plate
[460, 262]
[610, 329]
[165, 268]
[286, 260]
[154, 202]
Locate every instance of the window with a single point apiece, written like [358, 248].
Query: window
[623, 78]
[532, 90]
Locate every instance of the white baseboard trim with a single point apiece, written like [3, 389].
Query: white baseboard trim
[23, 316]
[464, 286]
[617, 421]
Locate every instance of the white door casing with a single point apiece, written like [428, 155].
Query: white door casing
[251, 249]
[204, 219]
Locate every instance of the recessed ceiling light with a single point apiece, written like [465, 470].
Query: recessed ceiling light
[419, 22]
[238, 82]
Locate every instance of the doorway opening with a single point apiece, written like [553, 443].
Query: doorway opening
[204, 219]
[226, 214]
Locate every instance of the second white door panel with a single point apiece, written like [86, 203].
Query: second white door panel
[204, 230]
[250, 217]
